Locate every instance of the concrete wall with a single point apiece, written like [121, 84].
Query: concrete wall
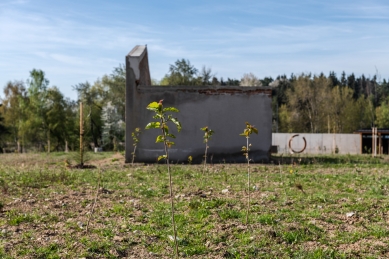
[318, 143]
[223, 109]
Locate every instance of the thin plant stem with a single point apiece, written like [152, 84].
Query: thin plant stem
[248, 181]
[81, 137]
[205, 155]
[133, 156]
[171, 189]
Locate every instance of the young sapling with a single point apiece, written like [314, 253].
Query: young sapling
[207, 136]
[135, 137]
[250, 129]
[190, 159]
[161, 123]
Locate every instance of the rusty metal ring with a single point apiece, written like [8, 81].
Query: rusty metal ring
[290, 144]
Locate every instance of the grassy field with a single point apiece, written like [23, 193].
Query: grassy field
[304, 207]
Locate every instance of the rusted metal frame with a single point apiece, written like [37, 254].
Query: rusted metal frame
[290, 144]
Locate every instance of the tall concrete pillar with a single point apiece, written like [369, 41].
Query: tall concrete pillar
[137, 74]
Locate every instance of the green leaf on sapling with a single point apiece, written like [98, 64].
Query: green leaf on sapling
[153, 106]
[245, 133]
[161, 157]
[159, 139]
[153, 125]
[169, 143]
[166, 128]
[170, 109]
[176, 122]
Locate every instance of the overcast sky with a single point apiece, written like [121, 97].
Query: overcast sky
[77, 41]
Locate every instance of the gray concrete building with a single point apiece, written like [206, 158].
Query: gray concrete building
[223, 109]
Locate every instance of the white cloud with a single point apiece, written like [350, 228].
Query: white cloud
[76, 46]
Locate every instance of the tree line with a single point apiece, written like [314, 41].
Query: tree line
[37, 116]
[329, 104]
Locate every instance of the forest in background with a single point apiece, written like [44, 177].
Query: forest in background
[35, 116]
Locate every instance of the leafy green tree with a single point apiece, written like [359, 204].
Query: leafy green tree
[60, 122]
[91, 96]
[181, 73]
[382, 91]
[333, 78]
[3, 130]
[229, 81]
[352, 83]
[164, 80]
[15, 95]
[279, 88]
[215, 81]
[34, 128]
[307, 99]
[358, 115]
[284, 119]
[347, 115]
[206, 76]
[267, 81]
[314, 105]
[382, 113]
[112, 88]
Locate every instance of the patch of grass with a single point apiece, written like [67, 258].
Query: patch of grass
[15, 218]
[266, 219]
[49, 252]
[44, 178]
[226, 214]
[3, 254]
[319, 253]
[378, 231]
[97, 248]
[46, 202]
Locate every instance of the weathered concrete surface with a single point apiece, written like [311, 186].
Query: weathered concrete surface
[319, 143]
[223, 109]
